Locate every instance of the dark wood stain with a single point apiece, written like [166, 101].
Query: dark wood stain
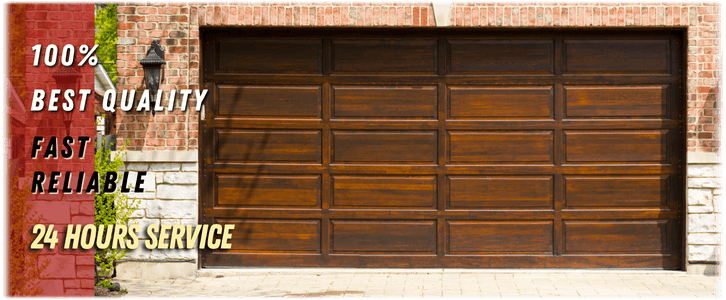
[466, 192]
[500, 146]
[384, 192]
[383, 236]
[617, 191]
[444, 148]
[252, 190]
[616, 101]
[617, 146]
[501, 56]
[270, 101]
[394, 102]
[617, 56]
[471, 102]
[632, 237]
[500, 237]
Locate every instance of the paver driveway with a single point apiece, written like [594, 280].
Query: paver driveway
[428, 283]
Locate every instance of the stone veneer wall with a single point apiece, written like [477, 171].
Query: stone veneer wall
[704, 212]
[170, 198]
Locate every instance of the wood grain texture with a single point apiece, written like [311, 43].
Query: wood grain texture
[271, 101]
[500, 237]
[383, 236]
[268, 190]
[389, 192]
[393, 102]
[617, 56]
[384, 147]
[272, 145]
[472, 192]
[501, 56]
[617, 191]
[617, 101]
[617, 146]
[274, 236]
[496, 102]
[384, 56]
[636, 237]
[269, 56]
[500, 146]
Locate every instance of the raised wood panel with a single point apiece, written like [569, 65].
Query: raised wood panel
[269, 101]
[510, 192]
[349, 236]
[500, 237]
[484, 102]
[384, 147]
[269, 56]
[501, 56]
[616, 191]
[384, 56]
[638, 56]
[269, 145]
[500, 146]
[610, 237]
[389, 192]
[384, 102]
[617, 146]
[617, 101]
[268, 190]
[274, 235]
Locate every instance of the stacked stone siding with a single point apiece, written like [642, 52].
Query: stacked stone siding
[169, 198]
[704, 197]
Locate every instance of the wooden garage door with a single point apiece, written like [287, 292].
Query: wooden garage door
[444, 148]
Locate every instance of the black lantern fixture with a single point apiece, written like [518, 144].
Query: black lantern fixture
[153, 65]
[67, 78]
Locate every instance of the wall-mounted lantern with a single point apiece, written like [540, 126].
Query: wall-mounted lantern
[153, 65]
[67, 78]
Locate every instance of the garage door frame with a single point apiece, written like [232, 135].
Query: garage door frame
[679, 145]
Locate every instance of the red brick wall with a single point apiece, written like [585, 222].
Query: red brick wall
[178, 28]
[69, 272]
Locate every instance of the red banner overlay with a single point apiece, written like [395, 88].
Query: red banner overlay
[57, 271]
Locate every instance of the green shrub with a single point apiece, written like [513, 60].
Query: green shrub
[111, 209]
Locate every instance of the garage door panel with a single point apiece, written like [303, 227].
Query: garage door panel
[389, 192]
[444, 147]
[404, 56]
[494, 102]
[379, 101]
[278, 191]
[269, 101]
[269, 146]
[501, 56]
[269, 56]
[391, 236]
[500, 146]
[639, 56]
[617, 146]
[617, 191]
[617, 101]
[500, 237]
[631, 237]
[274, 236]
[384, 147]
[502, 192]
